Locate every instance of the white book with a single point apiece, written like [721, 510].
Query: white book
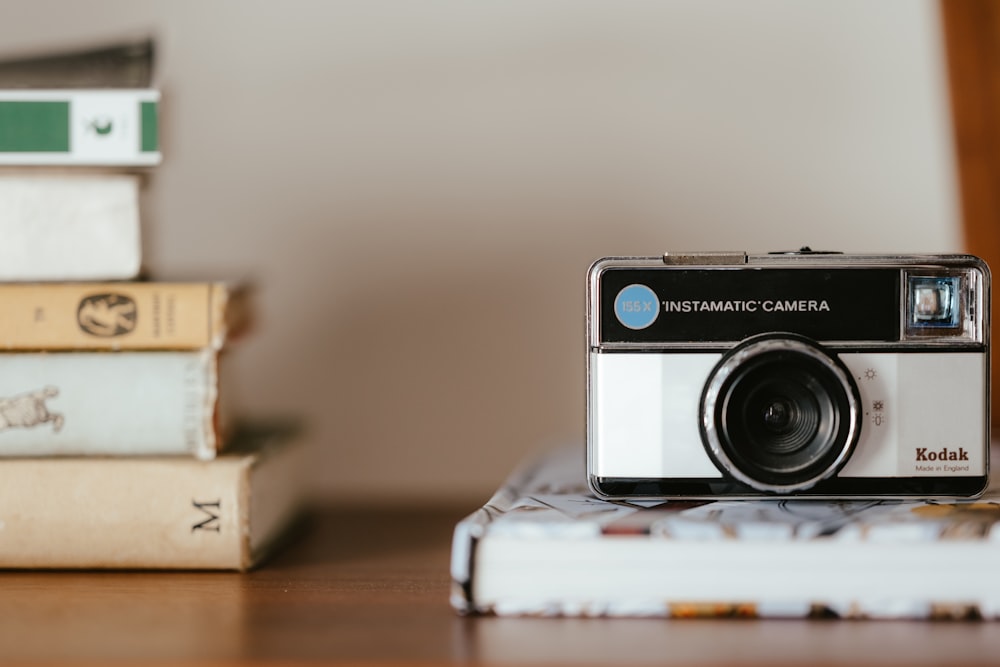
[113, 404]
[69, 226]
[544, 545]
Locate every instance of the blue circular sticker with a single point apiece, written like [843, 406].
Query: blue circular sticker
[636, 306]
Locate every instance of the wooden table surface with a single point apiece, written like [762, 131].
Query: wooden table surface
[373, 587]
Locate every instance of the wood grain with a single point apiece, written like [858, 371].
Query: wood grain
[972, 43]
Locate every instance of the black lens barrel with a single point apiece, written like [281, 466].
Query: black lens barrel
[779, 413]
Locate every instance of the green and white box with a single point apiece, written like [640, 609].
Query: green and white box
[80, 127]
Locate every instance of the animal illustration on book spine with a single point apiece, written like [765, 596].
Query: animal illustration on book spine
[107, 315]
[29, 410]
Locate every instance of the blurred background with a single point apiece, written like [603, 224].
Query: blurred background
[417, 189]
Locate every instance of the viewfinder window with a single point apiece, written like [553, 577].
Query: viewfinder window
[936, 306]
[934, 301]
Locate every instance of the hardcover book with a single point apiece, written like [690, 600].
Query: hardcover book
[162, 513]
[122, 315]
[69, 225]
[543, 545]
[125, 64]
[125, 403]
[97, 127]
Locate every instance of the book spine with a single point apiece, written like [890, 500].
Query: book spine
[80, 127]
[124, 513]
[117, 316]
[78, 226]
[126, 403]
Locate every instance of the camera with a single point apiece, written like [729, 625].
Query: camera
[805, 374]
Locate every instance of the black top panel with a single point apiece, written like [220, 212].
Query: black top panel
[730, 304]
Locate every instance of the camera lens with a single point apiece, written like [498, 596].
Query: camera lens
[780, 414]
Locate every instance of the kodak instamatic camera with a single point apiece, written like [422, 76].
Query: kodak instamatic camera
[793, 374]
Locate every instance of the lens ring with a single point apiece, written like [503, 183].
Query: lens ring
[779, 413]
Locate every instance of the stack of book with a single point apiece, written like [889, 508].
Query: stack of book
[116, 449]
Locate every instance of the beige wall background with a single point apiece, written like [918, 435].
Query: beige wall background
[418, 187]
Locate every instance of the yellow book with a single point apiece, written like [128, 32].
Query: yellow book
[121, 315]
[151, 512]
